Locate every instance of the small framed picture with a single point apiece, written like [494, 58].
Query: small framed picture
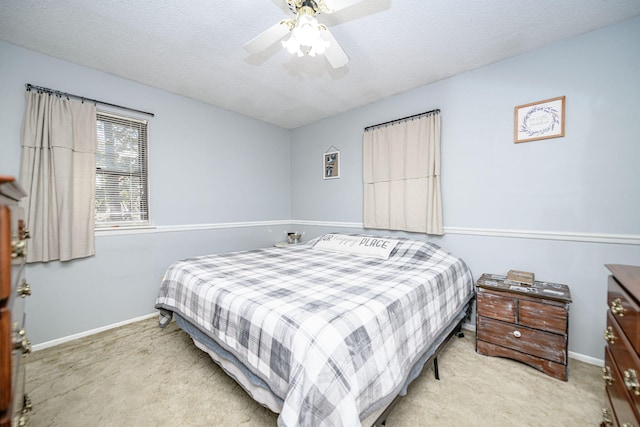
[331, 165]
[539, 120]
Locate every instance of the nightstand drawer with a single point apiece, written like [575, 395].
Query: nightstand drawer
[530, 341]
[544, 316]
[496, 306]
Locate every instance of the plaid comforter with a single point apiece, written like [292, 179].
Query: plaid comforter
[333, 335]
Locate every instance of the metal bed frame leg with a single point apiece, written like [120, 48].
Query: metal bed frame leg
[436, 372]
[382, 420]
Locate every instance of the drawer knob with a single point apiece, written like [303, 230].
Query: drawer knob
[606, 375]
[517, 334]
[24, 290]
[20, 342]
[617, 308]
[606, 417]
[631, 381]
[609, 336]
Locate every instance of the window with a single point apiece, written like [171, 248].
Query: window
[121, 171]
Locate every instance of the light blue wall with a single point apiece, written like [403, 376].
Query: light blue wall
[587, 182]
[206, 166]
[562, 184]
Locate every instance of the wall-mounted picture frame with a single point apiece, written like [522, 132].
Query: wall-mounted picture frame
[331, 165]
[539, 120]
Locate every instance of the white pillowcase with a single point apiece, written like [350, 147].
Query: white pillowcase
[371, 246]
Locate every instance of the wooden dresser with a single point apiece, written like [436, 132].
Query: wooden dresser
[621, 370]
[525, 323]
[14, 403]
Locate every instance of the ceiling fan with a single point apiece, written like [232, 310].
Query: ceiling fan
[307, 36]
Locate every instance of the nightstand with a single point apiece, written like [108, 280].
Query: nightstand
[529, 324]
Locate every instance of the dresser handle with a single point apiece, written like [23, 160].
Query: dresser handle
[627, 425]
[606, 417]
[631, 381]
[606, 375]
[24, 290]
[26, 410]
[27, 406]
[21, 342]
[609, 336]
[18, 248]
[617, 308]
[517, 334]
[26, 234]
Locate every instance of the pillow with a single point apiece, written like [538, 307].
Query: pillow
[371, 246]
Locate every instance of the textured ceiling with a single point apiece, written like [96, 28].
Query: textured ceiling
[195, 48]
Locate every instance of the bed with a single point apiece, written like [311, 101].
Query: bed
[325, 333]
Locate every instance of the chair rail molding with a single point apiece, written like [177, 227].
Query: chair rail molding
[567, 236]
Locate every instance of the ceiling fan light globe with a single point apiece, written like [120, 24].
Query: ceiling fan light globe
[307, 30]
[293, 46]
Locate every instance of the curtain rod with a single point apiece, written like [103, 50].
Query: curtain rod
[29, 86]
[426, 113]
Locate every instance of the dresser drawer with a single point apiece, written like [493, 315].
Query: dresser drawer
[626, 360]
[617, 392]
[544, 316]
[546, 345]
[5, 254]
[498, 307]
[18, 314]
[18, 410]
[608, 414]
[5, 357]
[625, 310]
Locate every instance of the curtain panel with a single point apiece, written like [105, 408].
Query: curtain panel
[401, 174]
[58, 170]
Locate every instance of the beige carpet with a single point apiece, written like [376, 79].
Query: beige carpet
[140, 375]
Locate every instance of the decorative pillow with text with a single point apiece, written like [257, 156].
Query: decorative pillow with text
[371, 246]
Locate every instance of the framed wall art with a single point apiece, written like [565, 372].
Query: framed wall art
[539, 120]
[331, 165]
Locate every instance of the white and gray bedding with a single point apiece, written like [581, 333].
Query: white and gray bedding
[333, 335]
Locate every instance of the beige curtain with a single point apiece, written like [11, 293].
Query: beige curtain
[401, 172]
[58, 169]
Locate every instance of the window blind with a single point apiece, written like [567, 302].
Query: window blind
[121, 171]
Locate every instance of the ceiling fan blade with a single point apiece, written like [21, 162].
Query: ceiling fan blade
[268, 37]
[334, 53]
[336, 5]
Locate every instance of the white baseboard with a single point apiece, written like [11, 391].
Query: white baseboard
[586, 359]
[73, 337]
